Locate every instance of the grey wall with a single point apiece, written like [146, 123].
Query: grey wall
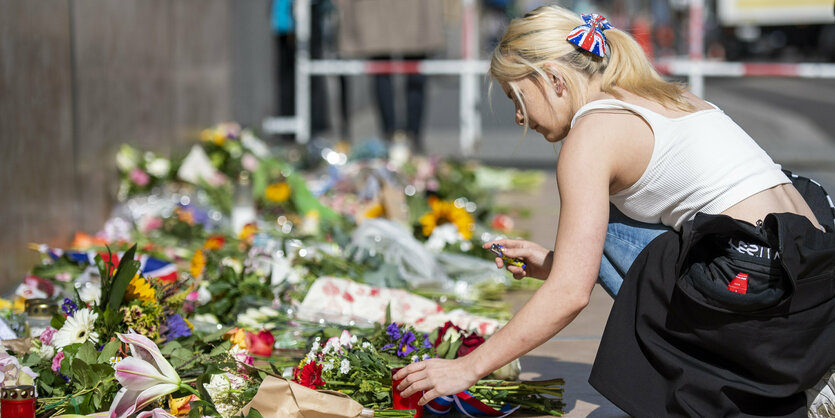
[80, 77]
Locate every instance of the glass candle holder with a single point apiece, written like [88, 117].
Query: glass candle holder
[17, 402]
[399, 402]
[38, 315]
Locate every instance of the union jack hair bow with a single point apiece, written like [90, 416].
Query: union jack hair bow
[589, 36]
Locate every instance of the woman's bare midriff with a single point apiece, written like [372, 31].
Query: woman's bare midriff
[778, 199]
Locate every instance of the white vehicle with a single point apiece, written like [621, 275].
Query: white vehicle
[788, 29]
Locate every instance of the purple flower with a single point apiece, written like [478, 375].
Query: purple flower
[386, 347]
[177, 327]
[393, 331]
[69, 307]
[407, 344]
[426, 343]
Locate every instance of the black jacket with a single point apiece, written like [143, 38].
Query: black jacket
[714, 322]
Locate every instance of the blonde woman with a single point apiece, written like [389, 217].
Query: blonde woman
[652, 152]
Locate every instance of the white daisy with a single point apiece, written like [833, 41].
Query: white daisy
[77, 329]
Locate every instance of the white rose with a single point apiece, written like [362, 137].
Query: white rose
[159, 167]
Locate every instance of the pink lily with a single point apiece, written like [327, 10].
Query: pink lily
[156, 413]
[145, 376]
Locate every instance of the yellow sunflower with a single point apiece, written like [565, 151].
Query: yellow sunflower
[375, 211]
[213, 135]
[278, 192]
[198, 263]
[443, 212]
[139, 289]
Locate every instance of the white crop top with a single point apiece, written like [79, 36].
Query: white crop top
[701, 162]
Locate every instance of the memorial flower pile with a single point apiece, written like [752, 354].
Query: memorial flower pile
[345, 271]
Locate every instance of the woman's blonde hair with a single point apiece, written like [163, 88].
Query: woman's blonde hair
[539, 38]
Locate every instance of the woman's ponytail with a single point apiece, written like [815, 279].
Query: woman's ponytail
[629, 69]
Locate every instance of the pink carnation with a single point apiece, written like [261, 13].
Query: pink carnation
[139, 177]
[56, 361]
[46, 335]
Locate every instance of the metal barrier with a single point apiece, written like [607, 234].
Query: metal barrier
[469, 68]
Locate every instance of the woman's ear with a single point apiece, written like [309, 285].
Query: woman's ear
[557, 83]
[555, 80]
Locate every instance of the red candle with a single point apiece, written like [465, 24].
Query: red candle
[399, 402]
[17, 402]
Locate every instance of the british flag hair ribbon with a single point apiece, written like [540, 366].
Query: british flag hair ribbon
[468, 405]
[589, 36]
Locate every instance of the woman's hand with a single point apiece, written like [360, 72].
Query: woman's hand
[538, 260]
[435, 377]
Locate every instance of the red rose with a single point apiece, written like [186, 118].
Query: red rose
[260, 344]
[309, 376]
[443, 331]
[502, 222]
[469, 344]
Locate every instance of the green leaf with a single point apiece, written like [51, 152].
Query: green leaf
[82, 373]
[125, 272]
[443, 349]
[110, 349]
[253, 413]
[221, 348]
[216, 335]
[87, 353]
[57, 321]
[169, 348]
[453, 348]
[180, 356]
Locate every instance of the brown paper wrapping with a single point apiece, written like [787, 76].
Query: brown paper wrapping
[18, 345]
[281, 398]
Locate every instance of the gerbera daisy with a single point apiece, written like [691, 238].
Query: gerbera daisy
[446, 212]
[77, 329]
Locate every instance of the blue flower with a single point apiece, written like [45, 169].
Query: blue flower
[386, 347]
[426, 343]
[393, 331]
[69, 307]
[407, 344]
[177, 327]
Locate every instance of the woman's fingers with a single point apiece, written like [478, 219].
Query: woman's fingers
[428, 396]
[410, 380]
[414, 367]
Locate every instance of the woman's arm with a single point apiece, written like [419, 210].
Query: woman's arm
[583, 177]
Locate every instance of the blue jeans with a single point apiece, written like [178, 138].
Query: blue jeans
[625, 239]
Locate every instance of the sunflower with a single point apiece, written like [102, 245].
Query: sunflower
[77, 329]
[139, 289]
[375, 211]
[446, 212]
[278, 192]
[198, 263]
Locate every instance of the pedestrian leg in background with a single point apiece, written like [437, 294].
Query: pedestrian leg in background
[415, 94]
[384, 92]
